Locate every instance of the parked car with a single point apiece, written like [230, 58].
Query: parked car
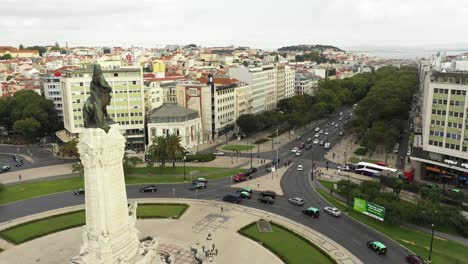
[219, 153]
[321, 132]
[343, 168]
[377, 246]
[332, 123]
[316, 135]
[311, 211]
[309, 140]
[317, 129]
[327, 145]
[232, 198]
[332, 210]
[326, 132]
[341, 133]
[266, 199]
[316, 141]
[275, 161]
[268, 168]
[299, 167]
[336, 125]
[298, 138]
[302, 145]
[297, 201]
[271, 194]
[79, 191]
[351, 166]
[295, 149]
[413, 259]
[308, 146]
[149, 188]
[197, 186]
[321, 143]
[298, 153]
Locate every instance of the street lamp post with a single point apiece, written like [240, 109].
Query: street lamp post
[251, 147]
[184, 167]
[277, 148]
[430, 248]
[347, 195]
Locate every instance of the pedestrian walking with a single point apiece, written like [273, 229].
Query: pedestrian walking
[19, 176]
[222, 209]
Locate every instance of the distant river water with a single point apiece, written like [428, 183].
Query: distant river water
[406, 53]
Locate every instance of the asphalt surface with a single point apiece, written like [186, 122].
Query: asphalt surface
[349, 233]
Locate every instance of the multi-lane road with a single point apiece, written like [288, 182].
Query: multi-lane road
[344, 230]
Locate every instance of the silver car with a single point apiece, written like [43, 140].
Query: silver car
[297, 201]
[332, 210]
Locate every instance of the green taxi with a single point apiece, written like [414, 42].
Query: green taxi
[378, 247]
[311, 211]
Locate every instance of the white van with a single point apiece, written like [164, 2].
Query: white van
[327, 145]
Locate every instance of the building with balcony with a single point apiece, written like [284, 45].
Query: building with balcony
[53, 92]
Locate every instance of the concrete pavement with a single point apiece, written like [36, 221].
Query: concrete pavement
[201, 218]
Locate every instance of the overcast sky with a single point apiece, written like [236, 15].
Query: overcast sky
[267, 24]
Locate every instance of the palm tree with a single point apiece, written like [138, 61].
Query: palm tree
[173, 147]
[158, 150]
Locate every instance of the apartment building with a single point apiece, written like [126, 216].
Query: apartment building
[159, 92]
[126, 108]
[263, 81]
[243, 101]
[280, 82]
[290, 82]
[443, 154]
[215, 100]
[53, 92]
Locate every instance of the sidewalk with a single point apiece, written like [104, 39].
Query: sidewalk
[36, 173]
[190, 230]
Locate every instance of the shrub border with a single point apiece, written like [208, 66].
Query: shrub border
[283, 258]
[41, 235]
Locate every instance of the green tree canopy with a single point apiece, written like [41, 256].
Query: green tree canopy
[248, 123]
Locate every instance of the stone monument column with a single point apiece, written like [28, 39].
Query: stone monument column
[110, 235]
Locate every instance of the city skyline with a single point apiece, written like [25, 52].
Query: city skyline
[260, 24]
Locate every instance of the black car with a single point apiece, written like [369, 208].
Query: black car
[252, 170]
[275, 161]
[79, 191]
[266, 199]
[270, 194]
[149, 188]
[308, 146]
[232, 198]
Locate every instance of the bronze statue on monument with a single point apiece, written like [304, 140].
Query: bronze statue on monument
[94, 110]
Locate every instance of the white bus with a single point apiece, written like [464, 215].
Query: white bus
[370, 169]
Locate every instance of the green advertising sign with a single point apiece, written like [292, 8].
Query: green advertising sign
[370, 209]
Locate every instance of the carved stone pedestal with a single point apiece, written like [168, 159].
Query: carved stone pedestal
[110, 236]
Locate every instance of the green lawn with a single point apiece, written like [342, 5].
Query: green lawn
[161, 210]
[356, 160]
[42, 227]
[22, 191]
[34, 229]
[443, 252]
[327, 184]
[168, 170]
[238, 147]
[287, 245]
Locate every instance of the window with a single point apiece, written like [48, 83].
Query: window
[436, 90]
[81, 84]
[116, 74]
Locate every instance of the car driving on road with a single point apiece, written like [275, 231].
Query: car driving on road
[299, 167]
[298, 153]
[266, 199]
[271, 194]
[149, 188]
[311, 211]
[413, 259]
[297, 201]
[377, 246]
[197, 186]
[295, 149]
[332, 210]
[218, 153]
[232, 198]
[79, 191]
